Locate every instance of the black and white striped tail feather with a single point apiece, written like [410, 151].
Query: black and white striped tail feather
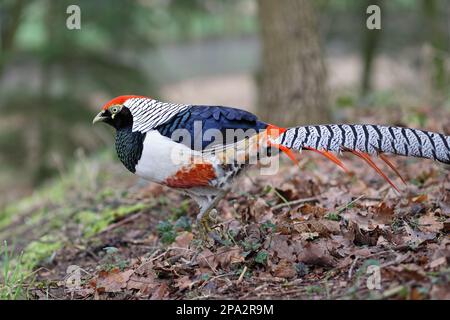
[371, 139]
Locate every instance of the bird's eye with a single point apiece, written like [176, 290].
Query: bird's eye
[114, 109]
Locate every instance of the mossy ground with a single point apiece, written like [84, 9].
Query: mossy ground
[76, 206]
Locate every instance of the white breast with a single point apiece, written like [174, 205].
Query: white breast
[162, 157]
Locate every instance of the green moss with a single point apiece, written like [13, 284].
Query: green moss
[5, 216]
[104, 194]
[39, 250]
[53, 193]
[124, 210]
[94, 222]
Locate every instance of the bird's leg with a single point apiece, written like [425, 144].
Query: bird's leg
[204, 219]
[204, 224]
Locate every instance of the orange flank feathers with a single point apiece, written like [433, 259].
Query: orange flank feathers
[195, 175]
[120, 100]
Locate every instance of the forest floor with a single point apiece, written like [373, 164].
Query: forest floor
[308, 232]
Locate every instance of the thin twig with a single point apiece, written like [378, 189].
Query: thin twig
[242, 275]
[350, 271]
[286, 203]
[121, 222]
[346, 206]
[295, 202]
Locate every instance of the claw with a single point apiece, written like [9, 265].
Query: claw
[205, 230]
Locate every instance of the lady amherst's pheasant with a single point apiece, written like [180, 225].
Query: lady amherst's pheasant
[201, 149]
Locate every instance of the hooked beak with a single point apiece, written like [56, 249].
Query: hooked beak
[101, 117]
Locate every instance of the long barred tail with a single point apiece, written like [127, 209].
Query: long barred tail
[364, 140]
[369, 139]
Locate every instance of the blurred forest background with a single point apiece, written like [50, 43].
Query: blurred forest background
[310, 61]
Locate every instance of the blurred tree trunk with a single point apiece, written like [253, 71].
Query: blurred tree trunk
[370, 42]
[436, 37]
[9, 22]
[292, 88]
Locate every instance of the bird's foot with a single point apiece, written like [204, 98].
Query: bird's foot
[206, 232]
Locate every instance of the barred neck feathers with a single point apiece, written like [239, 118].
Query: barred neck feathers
[129, 147]
[149, 113]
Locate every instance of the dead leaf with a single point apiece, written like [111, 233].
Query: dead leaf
[226, 256]
[438, 262]
[430, 223]
[415, 294]
[415, 238]
[316, 211]
[362, 252]
[113, 281]
[316, 253]
[364, 237]
[183, 240]
[384, 213]
[206, 259]
[440, 292]
[421, 198]
[284, 269]
[183, 283]
[160, 292]
[408, 272]
[446, 226]
[256, 210]
[282, 249]
[322, 227]
[143, 284]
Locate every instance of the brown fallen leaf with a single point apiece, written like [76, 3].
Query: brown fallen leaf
[446, 228]
[440, 292]
[280, 246]
[316, 253]
[442, 261]
[420, 198]
[382, 242]
[255, 210]
[206, 259]
[143, 284]
[322, 227]
[408, 272]
[284, 269]
[183, 283]
[415, 294]
[253, 232]
[430, 223]
[160, 292]
[226, 256]
[183, 240]
[316, 211]
[384, 213]
[113, 281]
[415, 238]
[362, 252]
[364, 236]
